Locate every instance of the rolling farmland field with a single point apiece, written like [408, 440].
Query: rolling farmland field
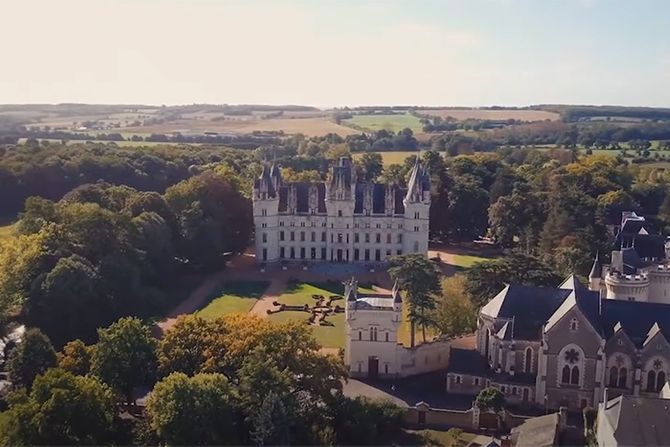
[498, 114]
[392, 123]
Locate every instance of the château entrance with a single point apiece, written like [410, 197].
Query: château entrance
[373, 367]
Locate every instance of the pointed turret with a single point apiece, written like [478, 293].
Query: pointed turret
[264, 186]
[419, 182]
[275, 175]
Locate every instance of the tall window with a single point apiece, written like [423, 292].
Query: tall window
[355, 238]
[281, 235]
[339, 213]
[265, 237]
[571, 358]
[528, 360]
[373, 334]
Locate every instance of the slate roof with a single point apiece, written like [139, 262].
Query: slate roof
[528, 306]
[646, 246]
[467, 361]
[302, 196]
[374, 301]
[636, 318]
[378, 198]
[638, 421]
[539, 431]
[471, 362]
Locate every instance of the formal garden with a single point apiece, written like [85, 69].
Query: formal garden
[318, 304]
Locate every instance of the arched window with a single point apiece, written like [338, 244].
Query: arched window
[614, 376]
[528, 363]
[571, 362]
[387, 336]
[651, 381]
[623, 377]
[660, 380]
[360, 335]
[574, 376]
[565, 377]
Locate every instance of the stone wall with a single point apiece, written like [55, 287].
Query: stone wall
[431, 356]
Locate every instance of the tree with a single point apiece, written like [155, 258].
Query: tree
[486, 279]
[420, 279]
[517, 218]
[32, 356]
[68, 303]
[372, 165]
[194, 410]
[490, 399]
[364, 421]
[75, 358]
[61, 409]
[186, 346]
[213, 215]
[125, 356]
[455, 313]
[468, 206]
[22, 259]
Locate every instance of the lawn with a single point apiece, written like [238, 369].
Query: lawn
[300, 294]
[392, 123]
[234, 297]
[466, 261]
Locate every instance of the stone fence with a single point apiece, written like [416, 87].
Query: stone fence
[423, 416]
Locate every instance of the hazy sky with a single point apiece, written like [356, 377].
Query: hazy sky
[336, 52]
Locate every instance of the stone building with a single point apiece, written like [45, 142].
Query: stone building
[340, 220]
[564, 346]
[639, 269]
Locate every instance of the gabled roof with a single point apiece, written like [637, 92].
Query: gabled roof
[529, 307]
[637, 319]
[638, 420]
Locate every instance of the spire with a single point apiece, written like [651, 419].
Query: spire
[418, 182]
[597, 268]
[264, 183]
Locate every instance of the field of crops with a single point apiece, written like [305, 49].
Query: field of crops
[389, 158]
[392, 123]
[488, 114]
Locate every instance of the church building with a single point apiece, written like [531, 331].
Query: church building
[339, 220]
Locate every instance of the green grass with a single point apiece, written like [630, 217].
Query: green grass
[301, 293]
[467, 261]
[392, 123]
[234, 297]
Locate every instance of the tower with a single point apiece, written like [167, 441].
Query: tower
[417, 208]
[372, 323]
[340, 201]
[266, 213]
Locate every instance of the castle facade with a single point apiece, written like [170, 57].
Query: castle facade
[339, 220]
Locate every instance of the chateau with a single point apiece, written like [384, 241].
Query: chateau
[340, 220]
